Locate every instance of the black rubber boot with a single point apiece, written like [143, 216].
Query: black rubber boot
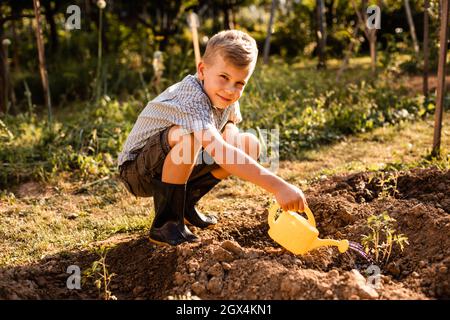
[168, 226]
[195, 190]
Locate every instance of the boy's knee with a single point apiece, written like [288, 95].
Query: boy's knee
[183, 147]
[176, 136]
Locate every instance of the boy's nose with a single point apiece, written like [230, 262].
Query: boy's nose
[230, 92]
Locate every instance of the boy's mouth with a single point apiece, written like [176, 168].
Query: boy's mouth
[224, 99]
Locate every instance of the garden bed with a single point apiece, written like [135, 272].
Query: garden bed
[238, 260]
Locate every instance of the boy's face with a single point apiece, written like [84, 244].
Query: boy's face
[223, 82]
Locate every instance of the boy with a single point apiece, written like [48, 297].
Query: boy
[188, 123]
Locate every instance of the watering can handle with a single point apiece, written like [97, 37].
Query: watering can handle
[310, 216]
[273, 209]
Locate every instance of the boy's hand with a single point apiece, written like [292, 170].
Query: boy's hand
[291, 198]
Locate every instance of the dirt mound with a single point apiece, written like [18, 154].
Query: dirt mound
[238, 260]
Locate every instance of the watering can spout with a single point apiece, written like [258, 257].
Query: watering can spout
[341, 244]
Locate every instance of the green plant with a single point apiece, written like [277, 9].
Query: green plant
[5, 133]
[387, 182]
[382, 237]
[309, 108]
[99, 272]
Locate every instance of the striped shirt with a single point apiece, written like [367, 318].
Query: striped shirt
[185, 104]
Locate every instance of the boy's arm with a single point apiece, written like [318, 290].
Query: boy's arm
[288, 196]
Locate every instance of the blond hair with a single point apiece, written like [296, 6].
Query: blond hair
[235, 46]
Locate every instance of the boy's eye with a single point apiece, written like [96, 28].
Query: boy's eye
[224, 77]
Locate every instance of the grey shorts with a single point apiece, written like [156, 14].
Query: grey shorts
[138, 175]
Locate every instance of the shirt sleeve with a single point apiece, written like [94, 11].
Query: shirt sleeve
[191, 114]
[235, 113]
[195, 116]
[183, 104]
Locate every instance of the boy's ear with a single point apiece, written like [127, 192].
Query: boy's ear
[201, 70]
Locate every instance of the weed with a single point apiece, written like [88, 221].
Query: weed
[382, 237]
[99, 272]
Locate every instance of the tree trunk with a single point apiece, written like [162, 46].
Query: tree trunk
[373, 49]
[226, 17]
[41, 52]
[231, 19]
[8, 93]
[15, 51]
[98, 77]
[193, 23]
[50, 18]
[426, 31]
[321, 34]
[2, 72]
[15, 11]
[371, 34]
[2, 68]
[3, 81]
[269, 32]
[215, 19]
[412, 28]
[443, 37]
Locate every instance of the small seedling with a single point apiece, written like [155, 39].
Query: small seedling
[387, 182]
[382, 237]
[99, 272]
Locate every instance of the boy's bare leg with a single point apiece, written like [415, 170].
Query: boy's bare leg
[180, 161]
[247, 142]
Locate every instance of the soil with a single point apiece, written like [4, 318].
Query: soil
[238, 260]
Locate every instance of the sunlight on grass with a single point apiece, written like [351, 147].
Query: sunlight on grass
[31, 229]
[406, 144]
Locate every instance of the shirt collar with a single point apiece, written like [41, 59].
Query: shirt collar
[200, 82]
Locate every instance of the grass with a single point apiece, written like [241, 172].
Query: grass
[308, 108]
[33, 226]
[406, 143]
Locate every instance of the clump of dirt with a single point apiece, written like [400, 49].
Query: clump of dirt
[238, 260]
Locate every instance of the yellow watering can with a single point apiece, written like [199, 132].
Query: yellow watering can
[297, 234]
